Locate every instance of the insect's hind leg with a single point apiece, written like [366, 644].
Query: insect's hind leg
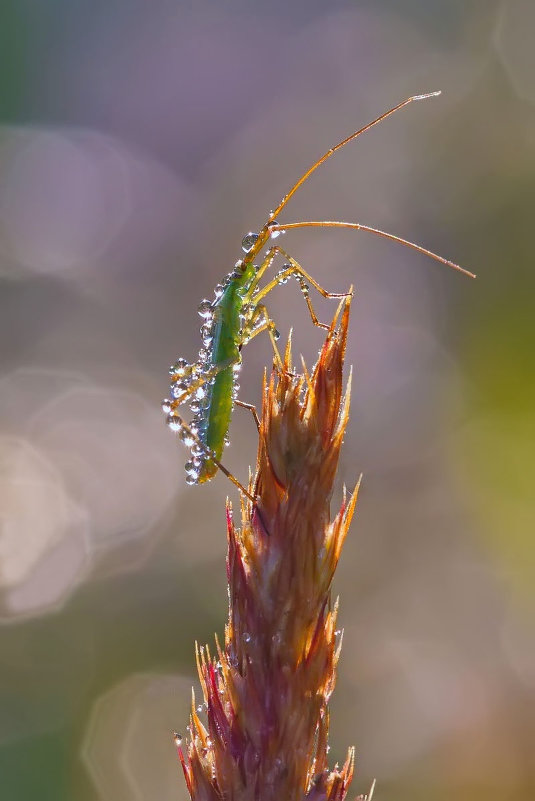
[295, 270]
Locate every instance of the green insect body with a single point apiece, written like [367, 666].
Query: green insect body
[235, 316]
[211, 382]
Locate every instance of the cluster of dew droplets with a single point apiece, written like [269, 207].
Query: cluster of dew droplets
[193, 382]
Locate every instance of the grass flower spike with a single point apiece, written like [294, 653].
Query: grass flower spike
[266, 691]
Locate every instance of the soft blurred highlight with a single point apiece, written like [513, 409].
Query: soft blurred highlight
[138, 144]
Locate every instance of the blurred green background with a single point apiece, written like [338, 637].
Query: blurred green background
[139, 142]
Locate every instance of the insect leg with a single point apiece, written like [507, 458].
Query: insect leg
[252, 409]
[295, 270]
[192, 384]
[254, 327]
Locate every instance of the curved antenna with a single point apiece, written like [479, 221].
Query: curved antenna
[274, 214]
[359, 227]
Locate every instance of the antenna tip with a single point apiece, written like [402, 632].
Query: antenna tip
[426, 96]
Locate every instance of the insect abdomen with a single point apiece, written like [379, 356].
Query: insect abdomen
[225, 329]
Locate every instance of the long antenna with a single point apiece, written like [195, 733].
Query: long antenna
[360, 227]
[274, 214]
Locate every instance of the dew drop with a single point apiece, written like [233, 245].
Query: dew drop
[218, 291]
[185, 436]
[246, 637]
[178, 389]
[191, 470]
[177, 738]
[174, 422]
[205, 308]
[248, 241]
[274, 234]
[190, 479]
[179, 367]
[166, 406]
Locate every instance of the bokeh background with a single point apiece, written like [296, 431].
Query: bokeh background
[139, 142]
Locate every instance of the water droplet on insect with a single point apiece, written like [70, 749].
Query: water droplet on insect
[209, 742]
[185, 436]
[205, 308]
[218, 291]
[166, 406]
[203, 355]
[178, 389]
[248, 241]
[195, 406]
[236, 368]
[246, 637]
[276, 334]
[190, 479]
[179, 367]
[178, 739]
[174, 422]
[274, 234]
[199, 708]
[200, 393]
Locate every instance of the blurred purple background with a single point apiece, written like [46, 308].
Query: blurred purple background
[138, 143]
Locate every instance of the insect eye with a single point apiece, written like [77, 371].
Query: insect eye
[248, 241]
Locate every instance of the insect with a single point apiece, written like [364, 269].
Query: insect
[236, 315]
